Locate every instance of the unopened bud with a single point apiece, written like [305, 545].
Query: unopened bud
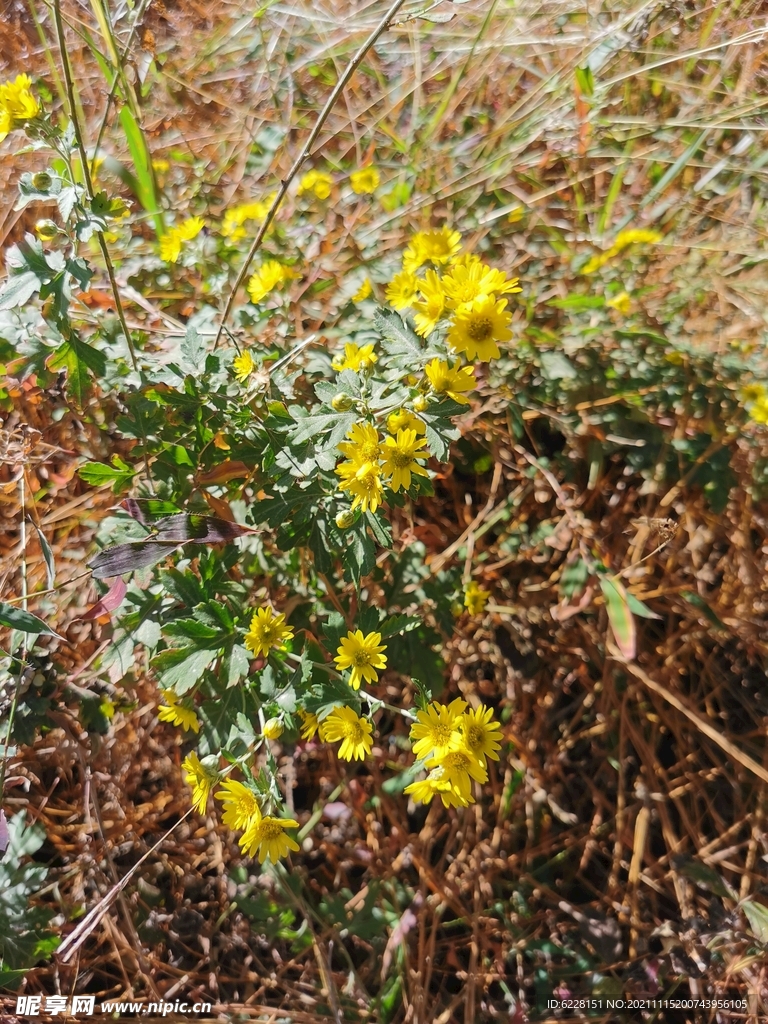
[365, 365]
[42, 181]
[273, 729]
[345, 519]
[420, 403]
[342, 402]
[46, 230]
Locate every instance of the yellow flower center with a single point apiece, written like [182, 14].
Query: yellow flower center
[480, 329]
[361, 658]
[268, 828]
[370, 451]
[441, 734]
[473, 736]
[400, 459]
[457, 759]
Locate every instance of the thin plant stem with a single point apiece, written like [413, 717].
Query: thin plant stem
[353, 65]
[23, 658]
[87, 176]
[70, 87]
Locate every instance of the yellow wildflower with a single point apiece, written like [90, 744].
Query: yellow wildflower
[402, 290]
[268, 277]
[365, 487]
[355, 357]
[623, 240]
[430, 308]
[266, 631]
[354, 732]
[460, 767]
[317, 182]
[479, 735]
[363, 292]
[200, 778]
[309, 724]
[17, 104]
[436, 783]
[362, 449]
[622, 303]
[233, 225]
[400, 454]
[475, 598]
[365, 181]
[266, 837]
[402, 419]
[755, 398]
[172, 241]
[469, 278]
[160, 165]
[434, 729]
[478, 326]
[437, 247]
[243, 365]
[363, 654]
[240, 804]
[450, 380]
[178, 713]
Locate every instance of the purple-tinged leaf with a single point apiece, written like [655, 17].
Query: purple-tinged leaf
[129, 557]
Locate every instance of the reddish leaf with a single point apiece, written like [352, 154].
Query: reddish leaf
[110, 602]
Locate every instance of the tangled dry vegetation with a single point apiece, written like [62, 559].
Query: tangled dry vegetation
[612, 847]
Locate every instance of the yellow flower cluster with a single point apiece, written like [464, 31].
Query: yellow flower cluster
[268, 277]
[172, 241]
[317, 182]
[355, 358]
[18, 105]
[233, 224]
[755, 399]
[467, 296]
[371, 462]
[624, 239]
[455, 744]
[263, 836]
[364, 181]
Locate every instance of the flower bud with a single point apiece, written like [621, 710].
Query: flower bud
[365, 365]
[42, 181]
[342, 402]
[46, 230]
[345, 519]
[420, 403]
[273, 729]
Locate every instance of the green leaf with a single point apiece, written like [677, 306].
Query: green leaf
[757, 915]
[585, 81]
[180, 669]
[638, 608]
[50, 565]
[395, 625]
[26, 622]
[142, 163]
[574, 578]
[619, 615]
[19, 289]
[701, 605]
[576, 302]
[329, 694]
[97, 474]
